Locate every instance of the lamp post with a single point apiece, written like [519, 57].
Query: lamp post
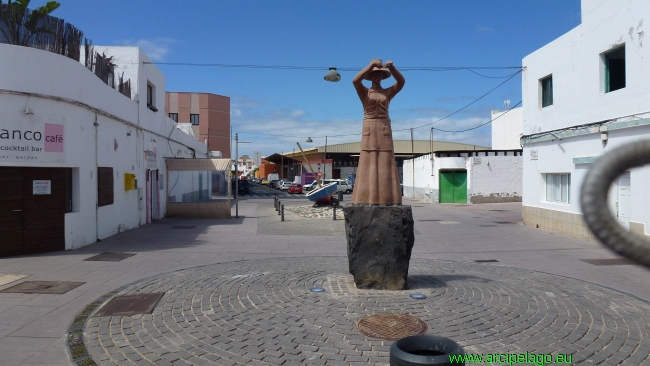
[237, 142]
[325, 162]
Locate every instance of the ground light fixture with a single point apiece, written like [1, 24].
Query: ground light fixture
[332, 75]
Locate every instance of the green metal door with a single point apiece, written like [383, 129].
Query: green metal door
[453, 187]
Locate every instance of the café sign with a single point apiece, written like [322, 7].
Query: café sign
[32, 138]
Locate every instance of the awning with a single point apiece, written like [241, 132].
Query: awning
[199, 164]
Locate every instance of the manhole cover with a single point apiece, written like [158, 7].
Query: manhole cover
[128, 305]
[391, 326]
[110, 257]
[609, 261]
[43, 287]
[183, 227]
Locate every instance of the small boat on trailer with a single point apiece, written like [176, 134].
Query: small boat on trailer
[322, 194]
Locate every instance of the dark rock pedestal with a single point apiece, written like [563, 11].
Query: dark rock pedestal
[380, 240]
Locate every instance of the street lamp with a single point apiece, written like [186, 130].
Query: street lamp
[237, 142]
[309, 139]
[332, 75]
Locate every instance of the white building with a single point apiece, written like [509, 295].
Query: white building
[78, 160]
[585, 94]
[507, 128]
[462, 177]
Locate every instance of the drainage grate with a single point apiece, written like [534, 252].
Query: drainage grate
[391, 326]
[110, 257]
[609, 261]
[43, 287]
[183, 227]
[128, 305]
[430, 220]
[487, 225]
[485, 260]
[504, 222]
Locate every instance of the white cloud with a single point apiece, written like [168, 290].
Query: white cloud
[156, 48]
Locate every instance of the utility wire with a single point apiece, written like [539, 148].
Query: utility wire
[479, 126]
[287, 67]
[322, 68]
[474, 101]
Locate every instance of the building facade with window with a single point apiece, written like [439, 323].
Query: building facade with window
[585, 94]
[80, 161]
[208, 114]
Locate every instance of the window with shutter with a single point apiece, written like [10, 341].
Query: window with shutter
[104, 186]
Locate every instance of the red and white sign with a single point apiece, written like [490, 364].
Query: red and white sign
[319, 174]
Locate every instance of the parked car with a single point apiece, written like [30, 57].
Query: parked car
[271, 183]
[244, 187]
[284, 185]
[264, 181]
[295, 188]
[342, 185]
[309, 186]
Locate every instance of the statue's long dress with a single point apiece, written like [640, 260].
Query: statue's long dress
[377, 179]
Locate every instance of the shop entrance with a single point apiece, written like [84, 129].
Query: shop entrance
[33, 202]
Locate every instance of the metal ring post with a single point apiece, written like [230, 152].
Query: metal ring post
[282, 218]
[279, 205]
[593, 201]
[333, 212]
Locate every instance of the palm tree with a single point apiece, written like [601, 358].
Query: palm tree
[18, 24]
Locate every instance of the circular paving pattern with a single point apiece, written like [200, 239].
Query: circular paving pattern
[261, 312]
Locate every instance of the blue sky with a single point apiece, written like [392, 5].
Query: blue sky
[344, 34]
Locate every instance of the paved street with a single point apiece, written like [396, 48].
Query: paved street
[235, 292]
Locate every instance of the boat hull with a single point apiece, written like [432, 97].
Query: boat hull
[322, 193]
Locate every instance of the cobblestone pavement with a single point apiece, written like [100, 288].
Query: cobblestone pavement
[260, 312]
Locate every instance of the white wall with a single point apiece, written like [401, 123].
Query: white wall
[507, 129]
[423, 185]
[502, 177]
[124, 130]
[496, 177]
[575, 62]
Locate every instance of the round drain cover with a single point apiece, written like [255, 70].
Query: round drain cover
[391, 326]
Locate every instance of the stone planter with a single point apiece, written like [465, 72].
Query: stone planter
[380, 239]
[424, 350]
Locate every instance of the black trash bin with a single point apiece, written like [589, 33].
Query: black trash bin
[424, 350]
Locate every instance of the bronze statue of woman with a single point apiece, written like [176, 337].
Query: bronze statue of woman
[377, 179]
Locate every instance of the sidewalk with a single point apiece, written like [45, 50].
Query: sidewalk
[33, 326]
